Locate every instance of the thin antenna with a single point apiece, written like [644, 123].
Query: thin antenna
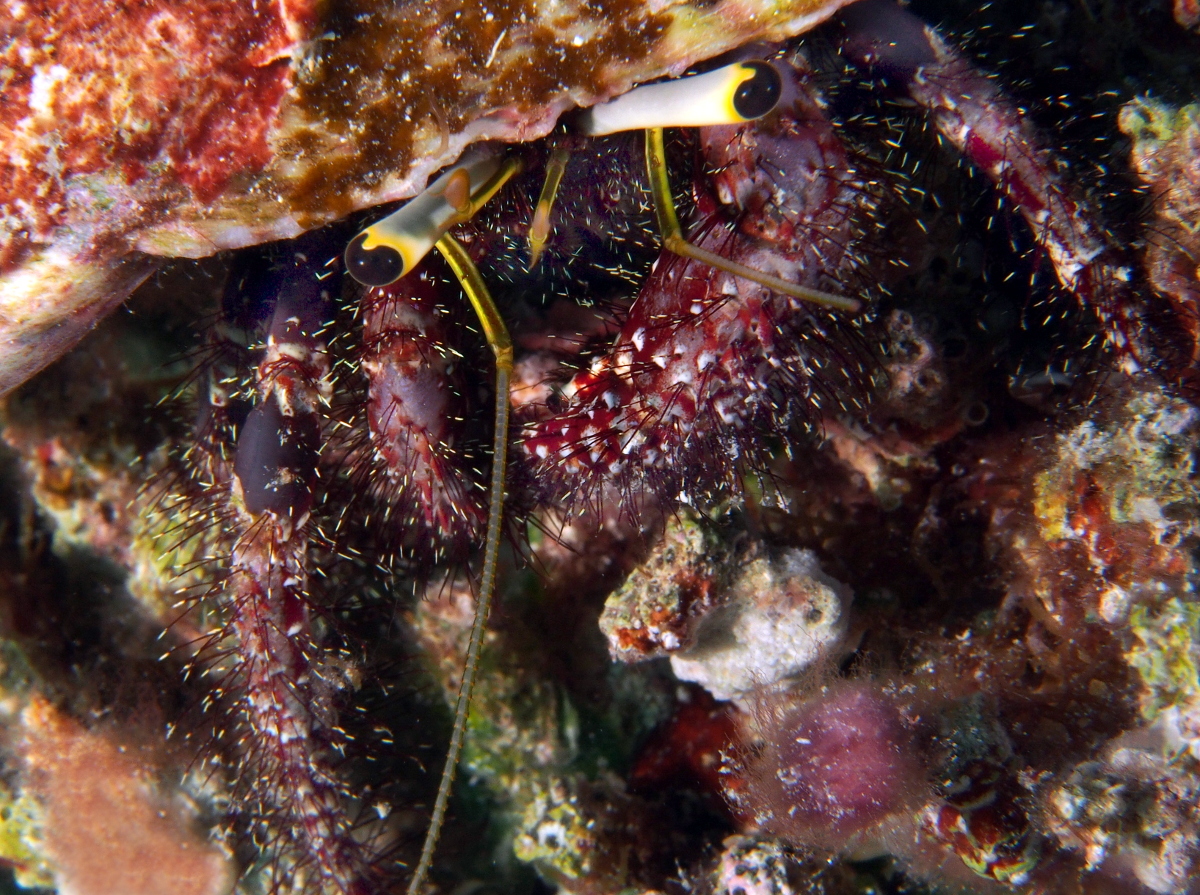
[673, 241]
[501, 345]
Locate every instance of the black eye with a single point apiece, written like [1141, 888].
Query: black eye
[758, 95]
[373, 267]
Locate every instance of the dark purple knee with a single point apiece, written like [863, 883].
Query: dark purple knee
[276, 462]
[883, 36]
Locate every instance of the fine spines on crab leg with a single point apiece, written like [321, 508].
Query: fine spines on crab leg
[390, 248]
[731, 94]
[971, 112]
[419, 463]
[291, 793]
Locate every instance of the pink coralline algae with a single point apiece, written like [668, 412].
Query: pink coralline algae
[107, 826]
[105, 134]
[101, 108]
[833, 770]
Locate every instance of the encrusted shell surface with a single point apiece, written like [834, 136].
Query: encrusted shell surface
[184, 127]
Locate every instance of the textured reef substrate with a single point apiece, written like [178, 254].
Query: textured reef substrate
[952, 642]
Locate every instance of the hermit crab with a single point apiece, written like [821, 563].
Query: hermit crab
[741, 328]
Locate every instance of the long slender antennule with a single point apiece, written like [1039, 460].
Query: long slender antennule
[672, 235]
[539, 229]
[501, 345]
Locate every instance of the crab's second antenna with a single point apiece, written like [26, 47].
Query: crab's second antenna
[381, 254]
[501, 345]
[674, 241]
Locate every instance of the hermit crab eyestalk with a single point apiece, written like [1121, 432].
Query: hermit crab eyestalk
[390, 248]
[728, 95]
[758, 94]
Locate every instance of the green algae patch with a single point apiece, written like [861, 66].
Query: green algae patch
[21, 840]
[1167, 654]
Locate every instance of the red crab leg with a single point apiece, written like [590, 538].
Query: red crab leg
[419, 473]
[284, 700]
[706, 358]
[970, 111]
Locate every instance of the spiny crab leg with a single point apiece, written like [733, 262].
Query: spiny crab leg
[399, 242]
[268, 613]
[969, 110]
[698, 367]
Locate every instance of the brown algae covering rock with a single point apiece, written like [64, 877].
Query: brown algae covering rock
[183, 128]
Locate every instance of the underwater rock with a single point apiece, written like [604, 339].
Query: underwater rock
[1134, 808]
[1118, 502]
[753, 867]
[781, 616]
[105, 825]
[656, 611]
[731, 617]
[541, 756]
[1081, 643]
[592, 837]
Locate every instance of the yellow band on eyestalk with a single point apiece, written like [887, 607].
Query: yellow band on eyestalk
[390, 248]
[732, 94]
